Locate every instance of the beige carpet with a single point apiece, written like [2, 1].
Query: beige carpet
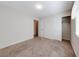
[39, 47]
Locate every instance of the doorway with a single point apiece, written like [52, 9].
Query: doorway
[35, 28]
[66, 28]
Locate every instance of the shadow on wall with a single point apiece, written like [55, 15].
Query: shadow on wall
[74, 38]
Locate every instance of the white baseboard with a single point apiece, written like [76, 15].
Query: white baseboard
[14, 43]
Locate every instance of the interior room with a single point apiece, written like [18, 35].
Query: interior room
[39, 29]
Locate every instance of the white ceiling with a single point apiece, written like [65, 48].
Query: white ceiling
[49, 7]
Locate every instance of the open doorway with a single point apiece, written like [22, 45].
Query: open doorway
[35, 28]
[66, 28]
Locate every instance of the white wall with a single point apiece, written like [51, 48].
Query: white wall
[51, 26]
[14, 26]
[74, 37]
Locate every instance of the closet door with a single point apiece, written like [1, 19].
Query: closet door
[66, 28]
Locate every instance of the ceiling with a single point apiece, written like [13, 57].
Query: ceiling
[49, 7]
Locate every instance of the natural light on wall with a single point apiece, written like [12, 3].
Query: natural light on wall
[75, 16]
[77, 19]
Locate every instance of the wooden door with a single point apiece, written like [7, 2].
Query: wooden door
[35, 28]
